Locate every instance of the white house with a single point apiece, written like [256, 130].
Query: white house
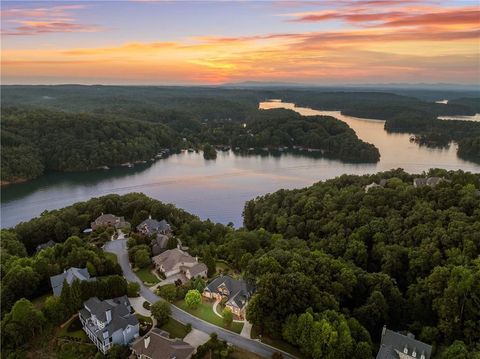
[109, 322]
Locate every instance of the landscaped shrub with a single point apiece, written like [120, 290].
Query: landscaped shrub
[146, 305]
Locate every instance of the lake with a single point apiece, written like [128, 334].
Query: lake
[219, 189]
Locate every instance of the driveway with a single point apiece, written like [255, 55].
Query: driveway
[119, 248]
[196, 338]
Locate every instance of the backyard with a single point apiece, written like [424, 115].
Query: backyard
[205, 311]
[146, 276]
[73, 330]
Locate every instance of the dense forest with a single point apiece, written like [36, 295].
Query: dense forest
[286, 128]
[332, 263]
[72, 127]
[402, 256]
[37, 140]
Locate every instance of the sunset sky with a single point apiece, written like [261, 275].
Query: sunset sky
[198, 42]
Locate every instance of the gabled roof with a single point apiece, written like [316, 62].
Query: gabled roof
[69, 275]
[240, 290]
[393, 343]
[197, 269]
[169, 259]
[48, 244]
[120, 314]
[157, 344]
[153, 226]
[106, 218]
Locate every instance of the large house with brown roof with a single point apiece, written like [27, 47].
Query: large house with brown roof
[109, 220]
[175, 261]
[157, 345]
[235, 292]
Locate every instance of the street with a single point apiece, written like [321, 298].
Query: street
[118, 247]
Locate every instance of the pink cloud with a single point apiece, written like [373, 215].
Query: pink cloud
[43, 20]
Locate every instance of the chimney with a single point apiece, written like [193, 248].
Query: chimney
[411, 335]
[384, 330]
[108, 314]
[146, 341]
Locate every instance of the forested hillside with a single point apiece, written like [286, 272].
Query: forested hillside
[108, 125]
[331, 263]
[402, 256]
[37, 140]
[279, 127]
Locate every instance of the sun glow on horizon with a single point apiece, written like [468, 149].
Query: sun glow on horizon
[351, 42]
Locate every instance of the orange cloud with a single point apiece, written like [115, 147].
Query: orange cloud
[440, 45]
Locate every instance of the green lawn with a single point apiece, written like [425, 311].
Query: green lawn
[112, 257]
[205, 312]
[73, 329]
[175, 329]
[146, 276]
[277, 343]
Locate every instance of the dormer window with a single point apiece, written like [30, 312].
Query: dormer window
[414, 353]
[422, 356]
[405, 350]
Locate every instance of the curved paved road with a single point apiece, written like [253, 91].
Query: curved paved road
[119, 248]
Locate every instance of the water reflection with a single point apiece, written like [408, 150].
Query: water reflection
[218, 189]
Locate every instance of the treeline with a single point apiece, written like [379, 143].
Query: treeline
[401, 256]
[37, 140]
[285, 128]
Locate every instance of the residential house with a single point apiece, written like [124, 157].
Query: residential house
[109, 322]
[43, 246]
[68, 275]
[430, 181]
[382, 184]
[159, 244]
[152, 226]
[175, 261]
[394, 345]
[109, 220]
[235, 292]
[157, 345]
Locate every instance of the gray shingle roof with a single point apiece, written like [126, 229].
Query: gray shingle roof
[393, 343]
[69, 275]
[153, 226]
[240, 290]
[120, 314]
[48, 244]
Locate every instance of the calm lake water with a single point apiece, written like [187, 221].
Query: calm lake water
[218, 189]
